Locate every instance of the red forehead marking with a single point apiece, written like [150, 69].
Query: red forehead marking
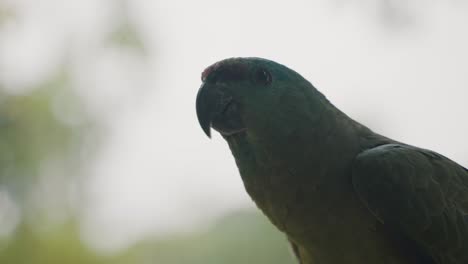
[232, 66]
[209, 70]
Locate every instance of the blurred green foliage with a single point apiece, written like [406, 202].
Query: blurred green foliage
[33, 129]
[241, 237]
[30, 133]
[60, 245]
[49, 123]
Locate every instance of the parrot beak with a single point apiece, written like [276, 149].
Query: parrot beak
[205, 108]
[216, 108]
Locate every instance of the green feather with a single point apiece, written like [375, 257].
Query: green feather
[340, 192]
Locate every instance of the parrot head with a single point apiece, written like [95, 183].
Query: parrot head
[252, 95]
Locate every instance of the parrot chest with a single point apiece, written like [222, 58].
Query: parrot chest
[315, 206]
[297, 191]
[326, 221]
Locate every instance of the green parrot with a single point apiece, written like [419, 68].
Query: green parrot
[338, 191]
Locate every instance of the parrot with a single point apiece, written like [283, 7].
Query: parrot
[339, 192]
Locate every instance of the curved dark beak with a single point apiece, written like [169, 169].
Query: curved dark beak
[217, 109]
[206, 107]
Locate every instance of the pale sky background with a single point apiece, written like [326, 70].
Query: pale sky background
[400, 67]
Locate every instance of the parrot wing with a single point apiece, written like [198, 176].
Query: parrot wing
[418, 193]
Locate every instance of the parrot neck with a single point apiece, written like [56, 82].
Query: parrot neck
[312, 153]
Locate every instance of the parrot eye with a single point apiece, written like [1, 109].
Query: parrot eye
[262, 76]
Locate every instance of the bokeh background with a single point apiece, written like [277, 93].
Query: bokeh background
[101, 156]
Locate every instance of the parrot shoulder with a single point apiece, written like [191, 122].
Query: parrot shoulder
[418, 193]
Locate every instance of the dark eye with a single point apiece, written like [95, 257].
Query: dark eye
[262, 76]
